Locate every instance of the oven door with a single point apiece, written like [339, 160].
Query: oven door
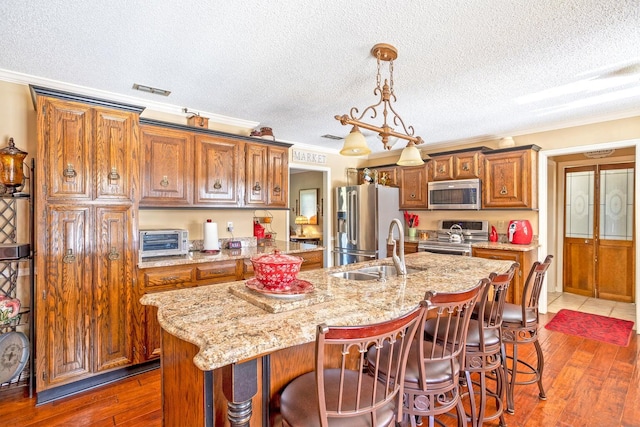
[464, 250]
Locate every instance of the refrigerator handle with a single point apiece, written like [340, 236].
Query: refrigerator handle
[352, 209]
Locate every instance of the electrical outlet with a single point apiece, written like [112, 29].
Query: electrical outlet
[229, 226]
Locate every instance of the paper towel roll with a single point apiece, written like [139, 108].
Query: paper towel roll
[210, 240]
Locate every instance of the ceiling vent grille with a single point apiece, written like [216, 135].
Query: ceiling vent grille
[149, 89]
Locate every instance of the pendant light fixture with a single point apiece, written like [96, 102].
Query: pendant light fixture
[355, 144]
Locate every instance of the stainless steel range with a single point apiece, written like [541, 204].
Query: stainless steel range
[455, 237]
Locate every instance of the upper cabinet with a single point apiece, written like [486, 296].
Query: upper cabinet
[510, 178]
[413, 187]
[167, 172]
[460, 165]
[219, 170]
[88, 152]
[187, 167]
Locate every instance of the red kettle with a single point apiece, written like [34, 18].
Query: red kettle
[520, 232]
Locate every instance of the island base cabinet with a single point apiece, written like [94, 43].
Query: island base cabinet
[203, 401]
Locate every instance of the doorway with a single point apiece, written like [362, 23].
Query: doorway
[303, 177]
[598, 258]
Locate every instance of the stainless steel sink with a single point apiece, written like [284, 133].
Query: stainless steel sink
[371, 273]
[387, 270]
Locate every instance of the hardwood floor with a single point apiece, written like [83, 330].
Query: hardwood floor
[587, 383]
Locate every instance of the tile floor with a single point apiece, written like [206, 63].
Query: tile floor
[619, 310]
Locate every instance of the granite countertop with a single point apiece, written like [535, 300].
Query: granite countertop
[506, 246]
[229, 328]
[196, 257]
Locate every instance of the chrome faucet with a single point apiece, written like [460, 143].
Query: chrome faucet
[398, 261]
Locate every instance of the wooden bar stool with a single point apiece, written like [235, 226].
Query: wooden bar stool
[484, 351]
[520, 326]
[431, 383]
[340, 392]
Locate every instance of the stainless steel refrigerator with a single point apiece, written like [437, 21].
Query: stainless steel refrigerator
[363, 215]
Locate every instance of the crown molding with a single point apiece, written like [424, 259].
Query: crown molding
[26, 79]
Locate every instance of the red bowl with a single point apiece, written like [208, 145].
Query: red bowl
[275, 271]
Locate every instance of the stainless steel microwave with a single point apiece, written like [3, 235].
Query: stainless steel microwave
[163, 242]
[462, 194]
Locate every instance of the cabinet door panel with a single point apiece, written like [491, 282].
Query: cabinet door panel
[256, 185]
[508, 181]
[66, 149]
[278, 176]
[441, 168]
[413, 187]
[467, 166]
[218, 170]
[65, 286]
[167, 177]
[116, 154]
[113, 286]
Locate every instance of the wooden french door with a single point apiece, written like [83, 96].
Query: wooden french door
[599, 232]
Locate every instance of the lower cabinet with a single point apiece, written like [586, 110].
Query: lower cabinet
[524, 258]
[409, 248]
[84, 293]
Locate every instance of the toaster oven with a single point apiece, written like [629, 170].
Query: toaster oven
[165, 242]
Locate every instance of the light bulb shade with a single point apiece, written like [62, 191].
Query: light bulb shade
[410, 156]
[355, 144]
[11, 166]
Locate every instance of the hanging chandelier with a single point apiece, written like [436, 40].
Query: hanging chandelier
[355, 143]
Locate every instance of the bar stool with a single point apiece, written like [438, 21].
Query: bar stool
[520, 326]
[340, 392]
[484, 351]
[431, 383]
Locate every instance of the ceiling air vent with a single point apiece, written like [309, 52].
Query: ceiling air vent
[329, 136]
[153, 90]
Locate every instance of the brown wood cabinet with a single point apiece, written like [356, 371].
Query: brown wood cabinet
[158, 279]
[184, 167]
[86, 244]
[219, 170]
[461, 165]
[409, 248]
[511, 179]
[267, 175]
[413, 187]
[167, 169]
[525, 259]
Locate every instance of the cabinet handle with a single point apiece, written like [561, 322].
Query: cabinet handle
[257, 187]
[164, 182]
[465, 167]
[413, 195]
[114, 174]
[217, 185]
[69, 172]
[503, 190]
[113, 255]
[276, 189]
[69, 257]
[441, 170]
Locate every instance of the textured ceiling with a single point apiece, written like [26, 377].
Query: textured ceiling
[467, 69]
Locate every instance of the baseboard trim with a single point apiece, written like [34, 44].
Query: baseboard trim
[66, 390]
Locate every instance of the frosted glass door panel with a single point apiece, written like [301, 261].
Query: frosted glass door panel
[616, 204]
[579, 209]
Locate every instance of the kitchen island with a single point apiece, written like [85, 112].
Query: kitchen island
[228, 350]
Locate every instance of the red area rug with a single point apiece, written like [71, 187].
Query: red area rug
[592, 326]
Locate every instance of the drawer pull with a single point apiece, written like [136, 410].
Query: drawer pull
[69, 257]
[164, 182]
[257, 187]
[503, 190]
[413, 195]
[69, 172]
[113, 175]
[276, 189]
[113, 255]
[465, 167]
[217, 185]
